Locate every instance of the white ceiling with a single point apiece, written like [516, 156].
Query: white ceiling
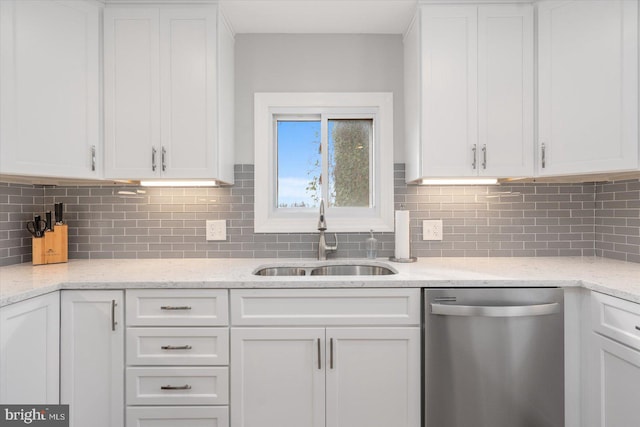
[319, 16]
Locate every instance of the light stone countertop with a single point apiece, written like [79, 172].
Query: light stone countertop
[616, 278]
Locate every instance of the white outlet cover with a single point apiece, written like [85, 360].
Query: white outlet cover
[432, 229]
[216, 229]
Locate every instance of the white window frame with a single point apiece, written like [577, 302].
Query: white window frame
[268, 106]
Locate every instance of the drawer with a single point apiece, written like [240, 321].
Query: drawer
[178, 346]
[326, 307]
[177, 307]
[182, 416]
[616, 318]
[177, 386]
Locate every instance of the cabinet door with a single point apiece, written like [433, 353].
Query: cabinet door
[277, 377]
[505, 90]
[617, 381]
[449, 90]
[588, 86]
[373, 377]
[49, 80]
[29, 351]
[92, 357]
[188, 91]
[132, 93]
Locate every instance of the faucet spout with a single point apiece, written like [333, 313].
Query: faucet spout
[322, 223]
[323, 247]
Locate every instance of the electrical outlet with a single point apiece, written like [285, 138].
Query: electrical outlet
[432, 229]
[216, 229]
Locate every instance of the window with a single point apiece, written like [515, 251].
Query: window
[322, 146]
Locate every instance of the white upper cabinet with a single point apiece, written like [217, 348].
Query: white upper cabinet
[588, 86]
[469, 91]
[49, 81]
[168, 93]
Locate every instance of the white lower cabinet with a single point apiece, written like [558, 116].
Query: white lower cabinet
[616, 362]
[618, 384]
[92, 357]
[178, 416]
[278, 377]
[177, 385]
[301, 375]
[177, 358]
[372, 377]
[29, 351]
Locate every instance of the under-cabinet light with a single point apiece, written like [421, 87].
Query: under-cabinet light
[163, 183]
[460, 181]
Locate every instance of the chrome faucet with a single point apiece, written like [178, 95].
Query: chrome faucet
[323, 248]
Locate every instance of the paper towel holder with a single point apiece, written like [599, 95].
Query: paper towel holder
[403, 260]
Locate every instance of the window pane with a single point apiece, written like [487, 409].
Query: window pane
[299, 164]
[349, 162]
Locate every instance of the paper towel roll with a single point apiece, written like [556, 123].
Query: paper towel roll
[402, 235]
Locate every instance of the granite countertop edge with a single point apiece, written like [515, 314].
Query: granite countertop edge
[616, 278]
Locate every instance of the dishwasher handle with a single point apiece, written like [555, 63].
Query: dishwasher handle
[495, 311]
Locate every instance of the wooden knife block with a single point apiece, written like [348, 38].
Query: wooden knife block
[53, 247]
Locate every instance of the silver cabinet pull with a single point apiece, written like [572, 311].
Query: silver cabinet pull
[330, 353]
[543, 159]
[175, 387]
[153, 158]
[113, 315]
[495, 311]
[164, 159]
[176, 347]
[179, 307]
[93, 158]
[319, 355]
[474, 153]
[484, 156]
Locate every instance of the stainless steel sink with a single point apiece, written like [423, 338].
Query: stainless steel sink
[351, 270]
[280, 271]
[326, 269]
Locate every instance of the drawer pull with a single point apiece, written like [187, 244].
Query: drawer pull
[176, 347]
[174, 387]
[638, 328]
[171, 307]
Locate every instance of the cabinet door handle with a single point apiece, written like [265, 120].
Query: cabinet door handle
[175, 387]
[171, 307]
[153, 158]
[164, 159]
[93, 158]
[543, 159]
[113, 315]
[330, 353]
[319, 355]
[638, 328]
[176, 347]
[484, 156]
[474, 154]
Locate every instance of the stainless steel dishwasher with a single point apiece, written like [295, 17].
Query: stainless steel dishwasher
[494, 357]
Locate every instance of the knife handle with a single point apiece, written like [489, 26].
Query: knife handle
[49, 221]
[58, 213]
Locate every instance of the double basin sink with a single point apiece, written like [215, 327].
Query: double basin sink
[327, 268]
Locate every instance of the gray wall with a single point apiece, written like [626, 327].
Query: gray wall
[315, 63]
[505, 220]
